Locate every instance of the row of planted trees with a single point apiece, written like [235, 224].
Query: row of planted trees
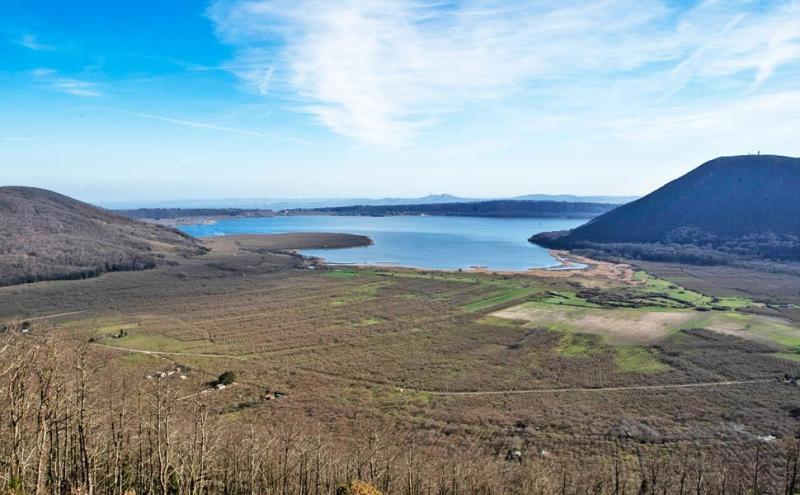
[70, 426]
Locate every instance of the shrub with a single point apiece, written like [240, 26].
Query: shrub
[226, 378]
[357, 487]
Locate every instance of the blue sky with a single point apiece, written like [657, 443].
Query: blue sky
[153, 100]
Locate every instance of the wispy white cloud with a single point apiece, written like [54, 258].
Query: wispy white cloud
[186, 123]
[32, 42]
[49, 79]
[42, 72]
[263, 86]
[76, 87]
[776, 115]
[382, 71]
[727, 39]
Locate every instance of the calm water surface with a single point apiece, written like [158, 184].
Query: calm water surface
[445, 243]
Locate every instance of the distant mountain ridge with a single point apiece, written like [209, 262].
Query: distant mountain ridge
[45, 236]
[738, 207]
[288, 204]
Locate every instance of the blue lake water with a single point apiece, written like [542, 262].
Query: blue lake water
[445, 243]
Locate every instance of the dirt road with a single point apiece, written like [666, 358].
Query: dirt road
[440, 393]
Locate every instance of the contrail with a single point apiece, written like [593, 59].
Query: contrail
[187, 123]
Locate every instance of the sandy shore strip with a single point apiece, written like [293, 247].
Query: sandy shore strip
[567, 261]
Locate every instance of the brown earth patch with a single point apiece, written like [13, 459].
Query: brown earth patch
[596, 274]
[617, 326]
[278, 242]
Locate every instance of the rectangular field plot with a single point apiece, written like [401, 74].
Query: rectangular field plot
[617, 326]
[651, 325]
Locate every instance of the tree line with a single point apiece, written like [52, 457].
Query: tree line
[496, 208]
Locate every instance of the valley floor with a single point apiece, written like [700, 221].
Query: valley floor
[574, 365]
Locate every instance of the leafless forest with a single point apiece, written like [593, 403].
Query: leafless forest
[72, 425]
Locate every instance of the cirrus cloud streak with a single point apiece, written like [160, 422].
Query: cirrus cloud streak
[385, 71]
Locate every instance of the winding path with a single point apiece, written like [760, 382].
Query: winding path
[167, 353]
[600, 389]
[469, 393]
[48, 317]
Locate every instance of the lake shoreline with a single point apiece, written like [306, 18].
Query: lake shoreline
[424, 242]
[567, 262]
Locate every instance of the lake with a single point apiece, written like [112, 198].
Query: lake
[444, 243]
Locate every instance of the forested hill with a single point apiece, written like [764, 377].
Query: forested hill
[176, 213]
[743, 207]
[45, 236]
[497, 208]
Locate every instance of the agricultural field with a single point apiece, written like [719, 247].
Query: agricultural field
[561, 365]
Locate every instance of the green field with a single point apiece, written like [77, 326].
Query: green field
[677, 294]
[629, 359]
[499, 298]
[574, 345]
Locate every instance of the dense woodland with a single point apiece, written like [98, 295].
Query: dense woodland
[173, 213]
[73, 425]
[47, 236]
[766, 254]
[499, 208]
